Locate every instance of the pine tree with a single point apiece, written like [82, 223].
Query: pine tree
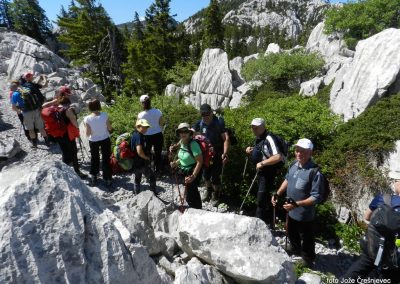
[138, 28]
[29, 18]
[93, 39]
[213, 27]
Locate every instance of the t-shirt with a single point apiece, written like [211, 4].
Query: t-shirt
[186, 160]
[213, 132]
[136, 140]
[378, 200]
[265, 147]
[16, 99]
[153, 117]
[98, 125]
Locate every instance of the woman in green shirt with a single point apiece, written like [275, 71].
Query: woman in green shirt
[190, 161]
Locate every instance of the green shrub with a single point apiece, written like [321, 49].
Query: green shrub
[181, 73]
[282, 68]
[362, 19]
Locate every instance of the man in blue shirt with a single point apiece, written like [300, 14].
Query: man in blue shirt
[214, 129]
[365, 264]
[304, 190]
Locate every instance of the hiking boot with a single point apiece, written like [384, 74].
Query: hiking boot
[93, 180]
[81, 175]
[214, 199]
[47, 141]
[206, 194]
[108, 182]
[306, 262]
[136, 189]
[34, 142]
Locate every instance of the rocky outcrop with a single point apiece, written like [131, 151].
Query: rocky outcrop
[285, 16]
[240, 247]
[54, 231]
[372, 74]
[273, 48]
[392, 163]
[311, 87]
[9, 148]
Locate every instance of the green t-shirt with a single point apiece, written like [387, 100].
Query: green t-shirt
[186, 161]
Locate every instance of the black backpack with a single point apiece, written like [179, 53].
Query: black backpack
[283, 146]
[31, 101]
[379, 241]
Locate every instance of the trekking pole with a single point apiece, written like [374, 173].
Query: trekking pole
[20, 131]
[245, 166]
[248, 191]
[181, 209]
[84, 148]
[273, 218]
[286, 229]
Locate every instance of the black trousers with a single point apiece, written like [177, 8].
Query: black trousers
[156, 141]
[265, 187]
[192, 194]
[69, 151]
[364, 267]
[302, 237]
[26, 132]
[139, 168]
[105, 147]
[214, 171]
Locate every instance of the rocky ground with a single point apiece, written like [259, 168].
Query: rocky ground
[330, 261]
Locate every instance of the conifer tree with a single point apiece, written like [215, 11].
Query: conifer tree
[30, 19]
[5, 17]
[213, 27]
[138, 28]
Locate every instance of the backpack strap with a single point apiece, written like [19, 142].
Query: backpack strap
[387, 199]
[189, 149]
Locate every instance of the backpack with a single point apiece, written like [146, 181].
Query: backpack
[207, 149]
[379, 241]
[54, 120]
[327, 189]
[122, 151]
[31, 101]
[282, 145]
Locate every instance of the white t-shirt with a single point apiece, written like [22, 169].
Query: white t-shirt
[153, 117]
[98, 125]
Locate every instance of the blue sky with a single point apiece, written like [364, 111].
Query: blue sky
[122, 11]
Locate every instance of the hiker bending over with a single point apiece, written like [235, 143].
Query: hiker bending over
[189, 163]
[364, 267]
[98, 128]
[141, 161]
[28, 101]
[303, 191]
[214, 129]
[62, 107]
[154, 135]
[267, 157]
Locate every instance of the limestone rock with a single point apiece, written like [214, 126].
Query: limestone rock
[213, 75]
[173, 90]
[239, 246]
[9, 148]
[54, 230]
[310, 88]
[235, 65]
[373, 71]
[170, 267]
[197, 273]
[392, 163]
[273, 48]
[250, 57]
[309, 278]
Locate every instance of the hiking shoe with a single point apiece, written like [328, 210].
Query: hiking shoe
[34, 143]
[214, 199]
[206, 194]
[47, 141]
[306, 262]
[108, 182]
[136, 189]
[93, 180]
[81, 175]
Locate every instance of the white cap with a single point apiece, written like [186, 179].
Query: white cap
[394, 175]
[258, 122]
[144, 98]
[305, 143]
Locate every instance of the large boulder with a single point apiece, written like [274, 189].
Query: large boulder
[9, 147]
[371, 74]
[310, 88]
[55, 231]
[213, 75]
[392, 163]
[235, 65]
[239, 246]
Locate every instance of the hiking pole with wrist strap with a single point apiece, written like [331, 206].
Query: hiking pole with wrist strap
[245, 166]
[248, 191]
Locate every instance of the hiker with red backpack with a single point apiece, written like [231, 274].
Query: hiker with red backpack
[380, 248]
[213, 128]
[189, 164]
[98, 128]
[304, 188]
[61, 123]
[142, 158]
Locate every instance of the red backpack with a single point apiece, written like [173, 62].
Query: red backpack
[54, 120]
[207, 150]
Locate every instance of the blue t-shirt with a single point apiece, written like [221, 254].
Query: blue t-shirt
[378, 200]
[16, 99]
[213, 132]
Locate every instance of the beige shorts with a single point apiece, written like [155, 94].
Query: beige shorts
[33, 119]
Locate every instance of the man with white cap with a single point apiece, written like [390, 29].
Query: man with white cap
[303, 190]
[154, 135]
[365, 264]
[267, 157]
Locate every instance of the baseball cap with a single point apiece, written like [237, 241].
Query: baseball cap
[258, 122]
[394, 175]
[205, 108]
[144, 98]
[64, 90]
[305, 143]
[142, 122]
[28, 74]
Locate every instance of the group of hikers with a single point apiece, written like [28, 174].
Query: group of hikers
[200, 154]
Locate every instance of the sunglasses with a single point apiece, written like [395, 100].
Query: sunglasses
[205, 114]
[184, 132]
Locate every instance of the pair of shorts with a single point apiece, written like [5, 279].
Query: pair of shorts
[33, 119]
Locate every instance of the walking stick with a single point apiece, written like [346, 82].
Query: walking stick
[248, 191]
[286, 229]
[245, 166]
